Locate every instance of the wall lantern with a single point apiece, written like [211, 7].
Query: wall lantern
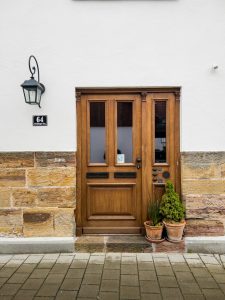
[33, 89]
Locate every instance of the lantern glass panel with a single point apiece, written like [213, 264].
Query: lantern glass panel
[27, 95]
[32, 95]
[38, 99]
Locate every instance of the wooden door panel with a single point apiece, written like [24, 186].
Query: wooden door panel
[111, 202]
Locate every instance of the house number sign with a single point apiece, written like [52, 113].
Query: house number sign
[40, 120]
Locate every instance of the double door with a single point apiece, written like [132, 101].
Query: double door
[126, 152]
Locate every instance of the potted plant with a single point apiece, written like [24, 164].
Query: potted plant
[154, 225]
[172, 211]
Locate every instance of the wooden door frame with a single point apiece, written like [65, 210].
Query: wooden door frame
[143, 92]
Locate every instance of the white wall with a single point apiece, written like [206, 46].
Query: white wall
[111, 43]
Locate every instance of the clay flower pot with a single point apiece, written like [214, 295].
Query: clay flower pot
[174, 230]
[153, 232]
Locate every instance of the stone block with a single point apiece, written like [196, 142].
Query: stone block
[55, 159]
[204, 228]
[12, 177]
[200, 171]
[51, 177]
[16, 159]
[203, 157]
[38, 222]
[24, 197]
[56, 197]
[11, 221]
[204, 206]
[203, 186]
[64, 222]
[5, 197]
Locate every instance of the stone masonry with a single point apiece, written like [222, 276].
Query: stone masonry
[37, 193]
[203, 185]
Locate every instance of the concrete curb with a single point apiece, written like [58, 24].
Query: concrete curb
[36, 245]
[205, 244]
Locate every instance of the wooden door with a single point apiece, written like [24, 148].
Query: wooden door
[128, 146]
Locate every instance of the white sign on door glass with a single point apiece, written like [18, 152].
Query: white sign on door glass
[120, 158]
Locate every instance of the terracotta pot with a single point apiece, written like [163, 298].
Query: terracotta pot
[174, 230]
[153, 232]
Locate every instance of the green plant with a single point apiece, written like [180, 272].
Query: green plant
[153, 212]
[171, 207]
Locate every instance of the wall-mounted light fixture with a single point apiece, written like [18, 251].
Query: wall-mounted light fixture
[33, 89]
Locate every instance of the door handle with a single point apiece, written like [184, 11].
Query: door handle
[138, 162]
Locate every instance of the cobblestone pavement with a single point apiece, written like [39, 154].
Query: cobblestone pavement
[112, 276]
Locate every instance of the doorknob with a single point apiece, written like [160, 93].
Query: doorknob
[138, 162]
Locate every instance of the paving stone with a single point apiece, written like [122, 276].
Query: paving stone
[191, 255]
[66, 295]
[88, 291]
[144, 265]
[51, 256]
[113, 265]
[209, 259]
[13, 263]
[33, 259]
[180, 267]
[176, 258]
[99, 260]
[79, 264]
[46, 264]
[92, 279]
[48, 290]
[128, 292]
[171, 293]
[200, 272]
[71, 284]
[82, 256]
[128, 260]
[109, 285]
[144, 257]
[110, 274]
[64, 259]
[147, 275]
[25, 294]
[213, 294]
[7, 272]
[5, 258]
[220, 278]
[161, 261]
[190, 288]
[18, 278]
[151, 297]
[109, 296]
[9, 289]
[75, 273]
[113, 256]
[92, 269]
[185, 277]
[167, 281]
[32, 284]
[3, 280]
[44, 298]
[40, 273]
[164, 271]
[195, 263]
[206, 282]
[194, 297]
[129, 269]
[26, 268]
[130, 280]
[215, 269]
[149, 286]
[60, 268]
[54, 279]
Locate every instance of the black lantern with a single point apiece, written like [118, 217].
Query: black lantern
[33, 89]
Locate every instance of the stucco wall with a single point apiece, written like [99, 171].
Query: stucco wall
[111, 43]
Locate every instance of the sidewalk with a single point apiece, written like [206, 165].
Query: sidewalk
[112, 276]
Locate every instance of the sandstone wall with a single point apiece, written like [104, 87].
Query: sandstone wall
[37, 193]
[203, 185]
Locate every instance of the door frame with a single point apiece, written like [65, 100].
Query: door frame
[143, 92]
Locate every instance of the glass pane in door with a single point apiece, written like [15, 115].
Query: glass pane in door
[97, 132]
[124, 132]
[160, 132]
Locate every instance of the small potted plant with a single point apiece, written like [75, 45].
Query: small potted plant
[154, 226]
[172, 211]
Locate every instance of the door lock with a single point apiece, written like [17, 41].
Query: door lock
[138, 162]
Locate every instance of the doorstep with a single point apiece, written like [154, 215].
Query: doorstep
[17, 245]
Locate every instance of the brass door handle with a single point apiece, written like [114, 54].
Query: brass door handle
[138, 162]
